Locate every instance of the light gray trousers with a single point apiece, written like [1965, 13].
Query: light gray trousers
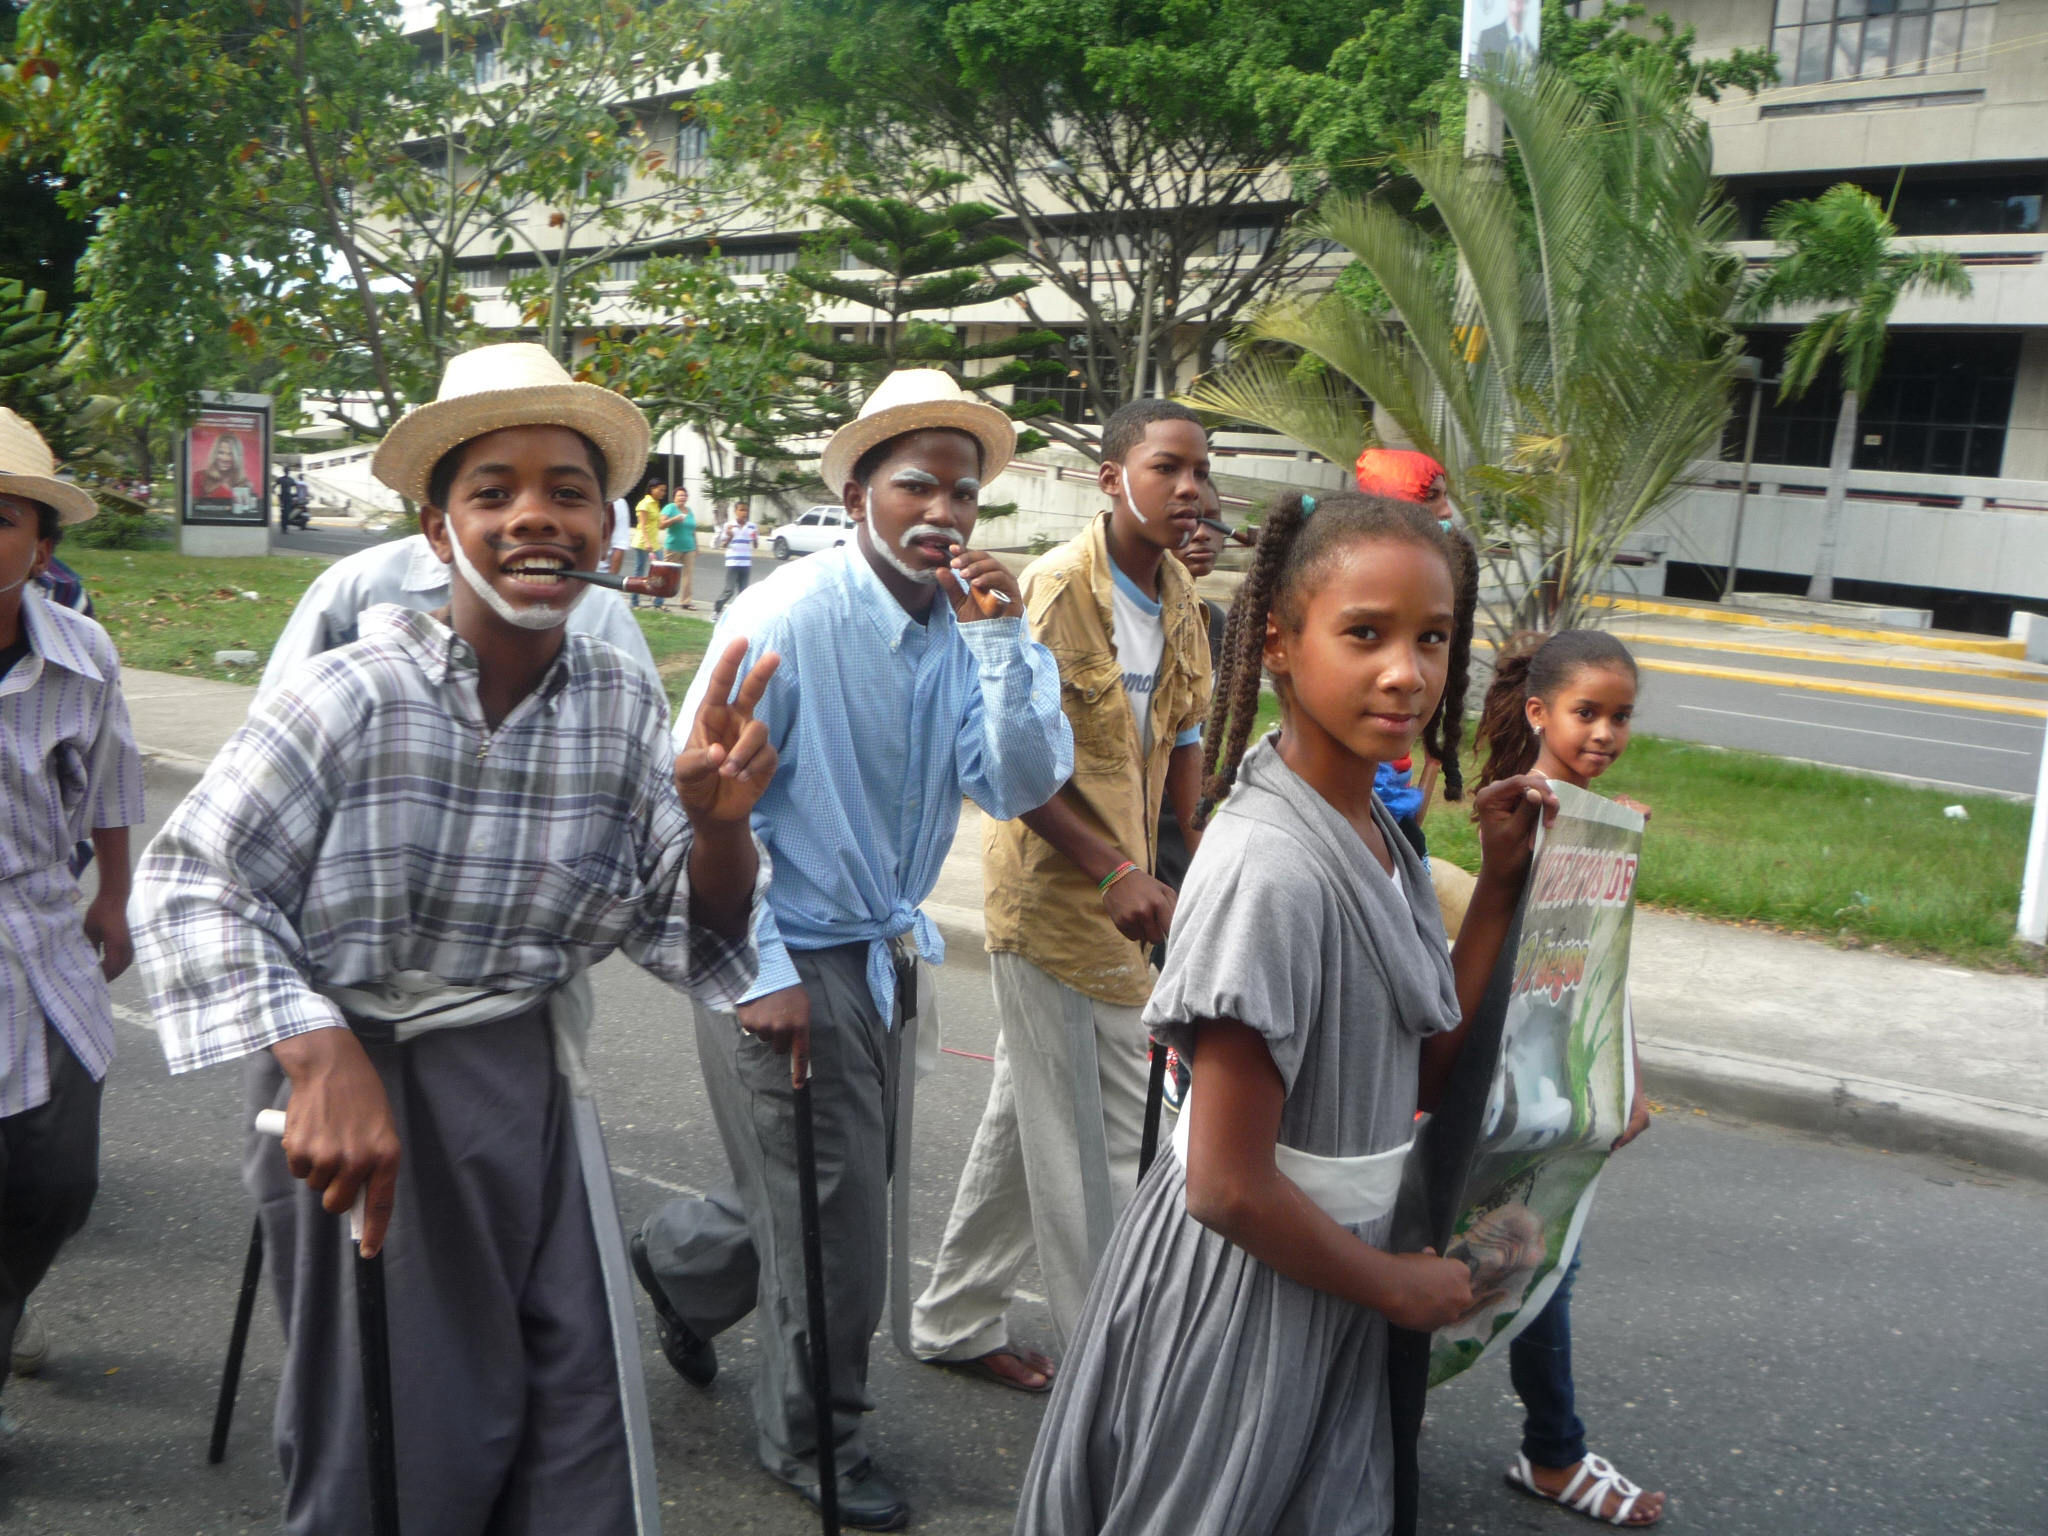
[1054, 1162]
[505, 1380]
[740, 1249]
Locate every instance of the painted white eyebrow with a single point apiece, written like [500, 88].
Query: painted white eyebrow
[967, 483]
[910, 474]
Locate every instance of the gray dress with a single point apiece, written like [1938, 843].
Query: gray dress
[1205, 1395]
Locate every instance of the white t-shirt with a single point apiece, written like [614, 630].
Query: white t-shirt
[739, 540]
[1140, 643]
[622, 524]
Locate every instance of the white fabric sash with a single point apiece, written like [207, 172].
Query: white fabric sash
[1349, 1190]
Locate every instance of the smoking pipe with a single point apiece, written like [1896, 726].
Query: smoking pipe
[662, 580]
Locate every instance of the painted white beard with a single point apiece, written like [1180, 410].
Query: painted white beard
[539, 616]
[898, 564]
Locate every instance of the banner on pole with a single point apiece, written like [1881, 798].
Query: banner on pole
[1501, 34]
[224, 461]
[1562, 1079]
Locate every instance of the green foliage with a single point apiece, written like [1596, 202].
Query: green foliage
[1840, 249]
[1580, 364]
[932, 255]
[122, 525]
[1746, 837]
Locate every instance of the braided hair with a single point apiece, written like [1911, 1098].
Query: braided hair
[1533, 666]
[1293, 550]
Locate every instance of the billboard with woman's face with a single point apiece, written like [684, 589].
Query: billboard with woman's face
[224, 462]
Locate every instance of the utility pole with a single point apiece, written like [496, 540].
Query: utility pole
[2033, 925]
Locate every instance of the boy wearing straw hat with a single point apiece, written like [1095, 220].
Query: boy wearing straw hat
[68, 770]
[385, 895]
[909, 681]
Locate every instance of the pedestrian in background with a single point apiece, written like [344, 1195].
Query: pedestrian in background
[1563, 706]
[69, 773]
[737, 538]
[679, 542]
[1073, 906]
[621, 537]
[647, 530]
[1230, 1370]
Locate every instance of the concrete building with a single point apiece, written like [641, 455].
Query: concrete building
[1945, 103]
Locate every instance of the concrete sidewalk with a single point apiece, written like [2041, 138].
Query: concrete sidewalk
[1902, 1054]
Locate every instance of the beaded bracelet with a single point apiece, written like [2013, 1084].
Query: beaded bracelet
[1126, 868]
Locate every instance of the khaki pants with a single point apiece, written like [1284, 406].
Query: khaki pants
[1054, 1162]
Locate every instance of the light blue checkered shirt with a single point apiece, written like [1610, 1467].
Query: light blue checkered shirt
[883, 725]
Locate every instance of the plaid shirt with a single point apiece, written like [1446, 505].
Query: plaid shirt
[365, 821]
[68, 768]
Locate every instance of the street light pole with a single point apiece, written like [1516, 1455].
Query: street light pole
[2033, 924]
[1746, 367]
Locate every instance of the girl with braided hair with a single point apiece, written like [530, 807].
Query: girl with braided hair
[1229, 1370]
[1562, 706]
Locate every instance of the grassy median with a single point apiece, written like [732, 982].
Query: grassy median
[170, 612]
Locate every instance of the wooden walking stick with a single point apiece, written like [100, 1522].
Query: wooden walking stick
[814, 1288]
[374, 1336]
[231, 1372]
[1155, 1094]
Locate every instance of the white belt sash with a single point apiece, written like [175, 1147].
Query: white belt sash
[1349, 1190]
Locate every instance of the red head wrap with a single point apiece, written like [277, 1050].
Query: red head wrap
[1399, 473]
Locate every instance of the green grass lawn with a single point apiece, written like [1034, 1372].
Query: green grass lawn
[1861, 861]
[169, 612]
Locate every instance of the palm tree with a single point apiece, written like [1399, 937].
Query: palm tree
[1839, 250]
[1566, 369]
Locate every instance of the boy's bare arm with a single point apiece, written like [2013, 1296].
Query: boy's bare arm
[1140, 906]
[106, 920]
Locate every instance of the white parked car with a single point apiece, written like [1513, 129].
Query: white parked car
[819, 528]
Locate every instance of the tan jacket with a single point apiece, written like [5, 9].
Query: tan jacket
[1039, 904]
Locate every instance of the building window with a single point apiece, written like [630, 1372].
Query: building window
[487, 66]
[780, 257]
[1940, 407]
[625, 269]
[1071, 392]
[693, 144]
[1940, 204]
[1818, 40]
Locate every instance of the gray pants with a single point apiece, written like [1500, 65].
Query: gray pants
[1054, 1162]
[504, 1376]
[49, 1173]
[740, 1249]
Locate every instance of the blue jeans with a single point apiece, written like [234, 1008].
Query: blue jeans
[637, 561]
[1540, 1366]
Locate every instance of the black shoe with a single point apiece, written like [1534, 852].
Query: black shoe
[694, 1359]
[867, 1501]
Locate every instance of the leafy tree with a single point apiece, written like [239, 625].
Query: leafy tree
[300, 182]
[1575, 374]
[1124, 145]
[39, 242]
[1840, 249]
[729, 361]
[932, 256]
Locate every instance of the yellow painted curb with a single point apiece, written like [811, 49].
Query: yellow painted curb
[1983, 703]
[2012, 650]
[2035, 674]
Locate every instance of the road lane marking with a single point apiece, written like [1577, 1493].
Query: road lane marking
[2029, 674]
[1819, 725]
[1906, 709]
[2012, 649]
[1984, 703]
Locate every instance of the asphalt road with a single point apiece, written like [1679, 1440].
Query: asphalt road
[1964, 748]
[1786, 1335]
[331, 542]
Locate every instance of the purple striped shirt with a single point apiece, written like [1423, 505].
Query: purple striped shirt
[68, 766]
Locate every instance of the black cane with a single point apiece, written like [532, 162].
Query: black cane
[374, 1336]
[1155, 1095]
[814, 1287]
[231, 1372]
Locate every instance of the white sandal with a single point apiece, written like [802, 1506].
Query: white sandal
[1587, 1491]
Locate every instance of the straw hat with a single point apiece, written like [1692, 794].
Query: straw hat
[917, 400]
[28, 468]
[514, 384]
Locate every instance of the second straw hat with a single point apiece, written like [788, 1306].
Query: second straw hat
[917, 400]
[513, 384]
[29, 469]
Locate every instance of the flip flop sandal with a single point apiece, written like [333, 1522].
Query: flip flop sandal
[1587, 1491]
[980, 1369]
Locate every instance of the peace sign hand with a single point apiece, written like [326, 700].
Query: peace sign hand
[726, 767]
